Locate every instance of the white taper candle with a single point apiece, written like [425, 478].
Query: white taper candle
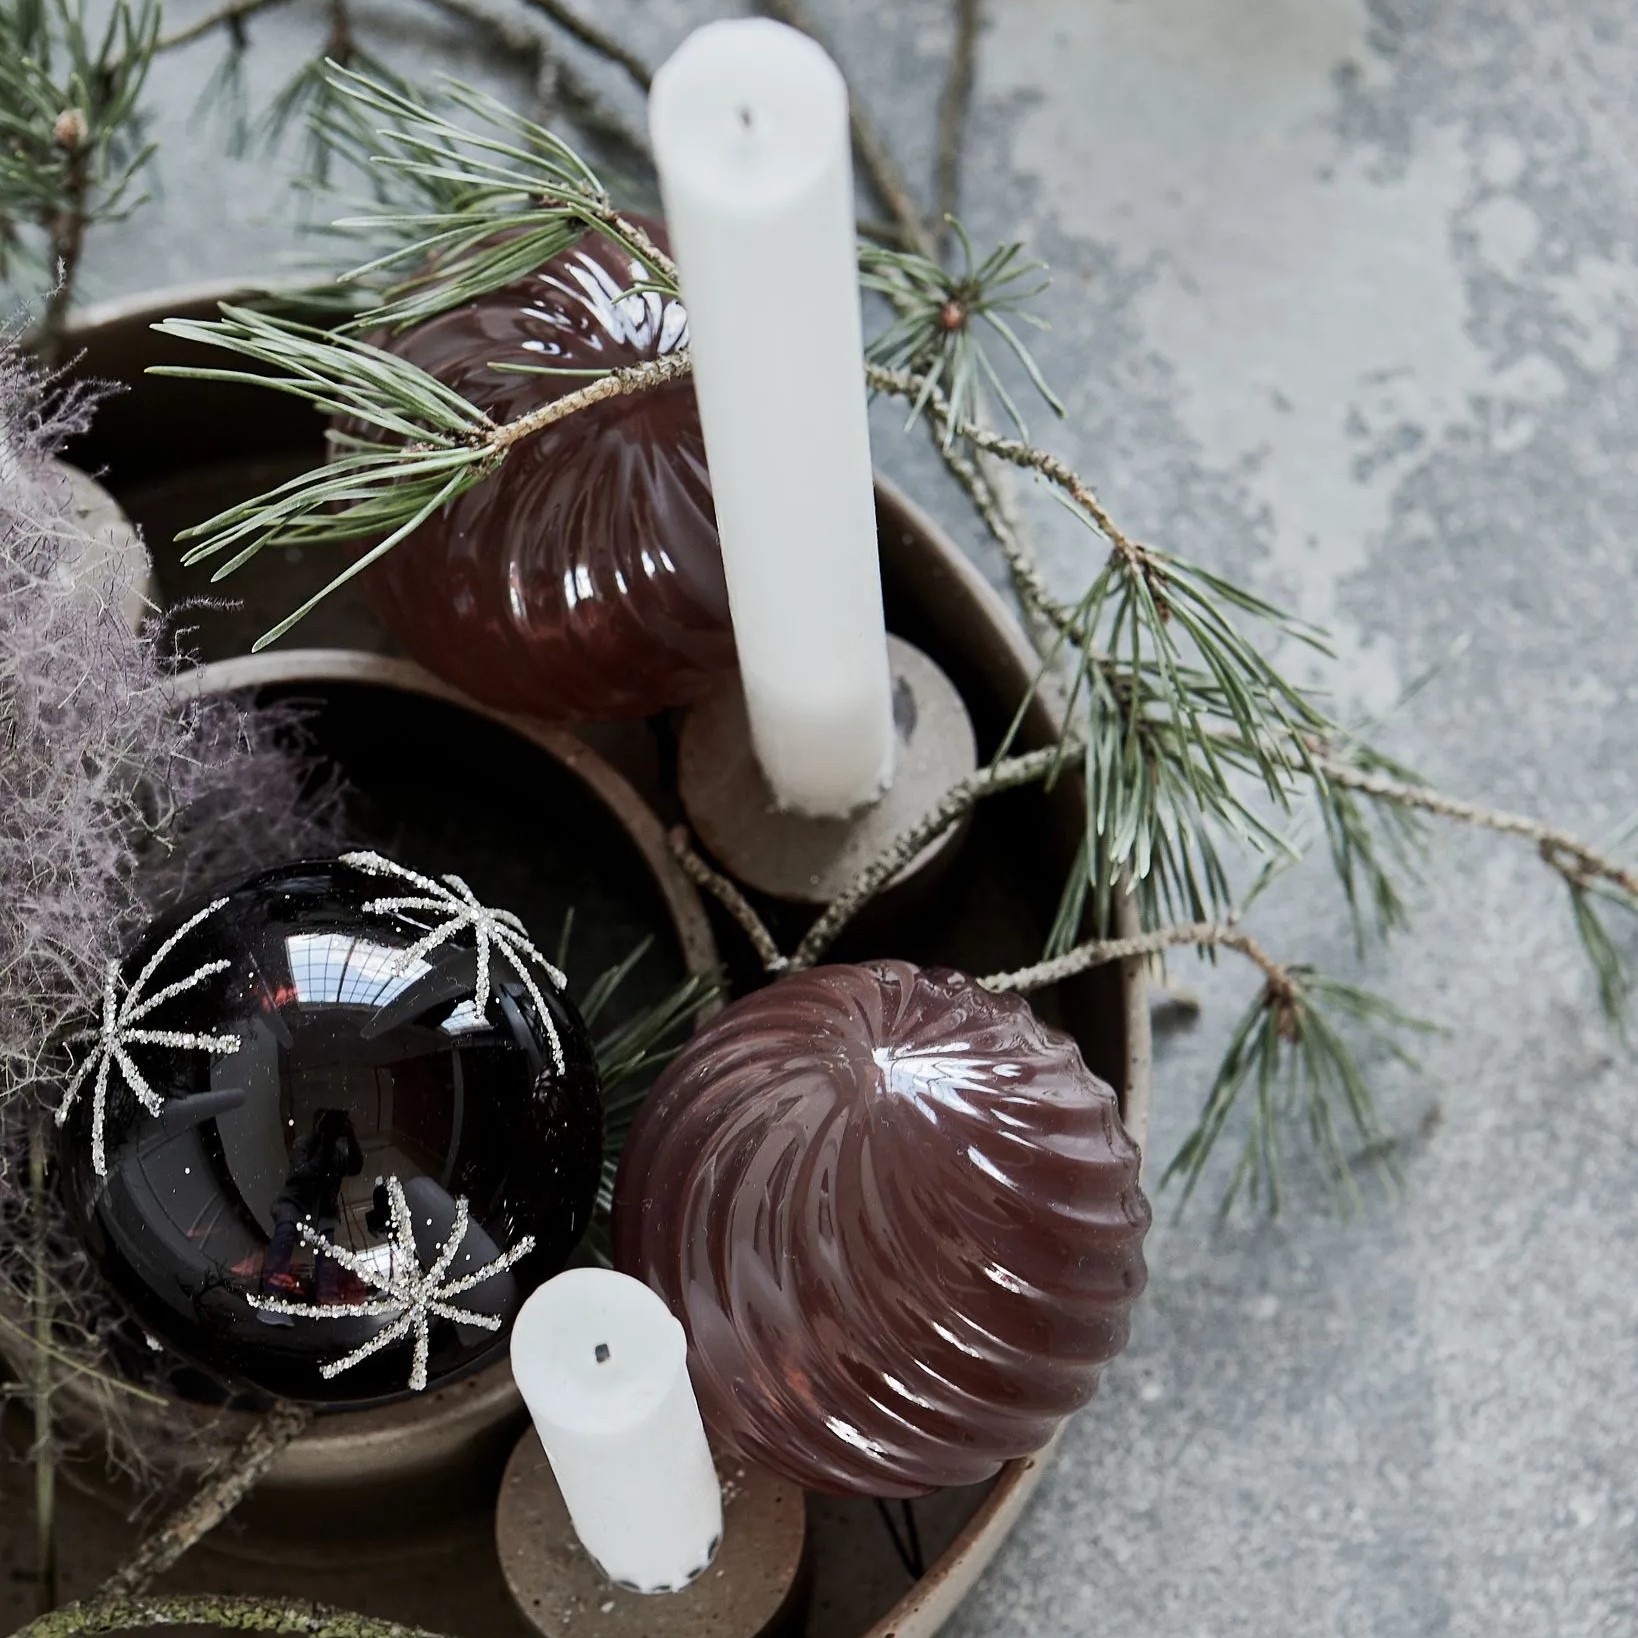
[602, 1364]
[750, 129]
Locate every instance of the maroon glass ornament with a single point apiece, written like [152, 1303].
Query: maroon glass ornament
[899, 1218]
[331, 1128]
[584, 579]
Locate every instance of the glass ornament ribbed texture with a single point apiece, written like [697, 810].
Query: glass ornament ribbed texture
[584, 580]
[899, 1218]
[330, 1128]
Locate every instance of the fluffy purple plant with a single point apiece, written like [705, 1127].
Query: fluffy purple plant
[115, 798]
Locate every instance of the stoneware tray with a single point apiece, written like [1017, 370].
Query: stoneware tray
[397, 1519]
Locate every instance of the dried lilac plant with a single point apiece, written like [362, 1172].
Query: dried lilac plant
[118, 796]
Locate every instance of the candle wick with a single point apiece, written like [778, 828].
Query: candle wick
[602, 1353]
[745, 116]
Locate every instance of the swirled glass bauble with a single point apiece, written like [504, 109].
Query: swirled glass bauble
[328, 1130]
[583, 580]
[899, 1218]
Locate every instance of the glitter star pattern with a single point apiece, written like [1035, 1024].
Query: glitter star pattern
[498, 932]
[411, 1295]
[120, 1030]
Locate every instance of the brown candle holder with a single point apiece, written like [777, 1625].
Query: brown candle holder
[755, 1587]
[391, 1511]
[800, 859]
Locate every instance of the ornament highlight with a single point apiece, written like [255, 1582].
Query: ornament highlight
[582, 581]
[331, 1158]
[899, 1219]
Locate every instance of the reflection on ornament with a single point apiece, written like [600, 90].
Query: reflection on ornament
[412, 1295]
[583, 580]
[899, 1218]
[406, 1139]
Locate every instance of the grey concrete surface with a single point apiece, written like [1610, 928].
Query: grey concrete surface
[1346, 304]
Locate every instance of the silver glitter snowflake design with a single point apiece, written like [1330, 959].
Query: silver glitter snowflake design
[120, 1030]
[414, 1296]
[498, 932]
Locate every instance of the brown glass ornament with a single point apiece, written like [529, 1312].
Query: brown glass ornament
[584, 580]
[899, 1218]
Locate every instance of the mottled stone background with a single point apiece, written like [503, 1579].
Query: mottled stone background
[1346, 304]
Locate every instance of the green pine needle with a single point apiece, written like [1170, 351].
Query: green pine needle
[420, 445]
[470, 200]
[1287, 1061]
[941, 317]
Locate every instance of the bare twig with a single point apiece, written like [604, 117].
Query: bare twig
[1099, 952]
[594, 39]
[876, 159]
[45, 1439]
[730, 898]
[228, 1483]
[66, 227]
[223, 1614]
[1008, 774]
[1567, 854]
[226, 16]
[952, 115]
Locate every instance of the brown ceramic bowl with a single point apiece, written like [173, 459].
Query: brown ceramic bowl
[173, 451]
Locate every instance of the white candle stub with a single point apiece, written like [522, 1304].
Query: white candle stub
[603, 1366]
[750, 129]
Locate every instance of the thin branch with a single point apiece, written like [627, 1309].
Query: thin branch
[730, 898]
[1028, 581]
[222, 1614]
[1567, 854]
[1100, 952]
[952, 115]
[555, 81]
[594, 39]
[45, 1438]
[228, 1483]
[238, 11]
[905, 384]
[655, 372]
[959, 800]
[876, 159]
[66, 228]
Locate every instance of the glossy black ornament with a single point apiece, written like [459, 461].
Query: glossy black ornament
[331, 1128]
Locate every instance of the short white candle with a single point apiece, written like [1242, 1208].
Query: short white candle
[602, 1364]
[749, 121]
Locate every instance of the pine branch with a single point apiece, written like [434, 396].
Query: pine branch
[70, 149]
[935, 333]
[420, 446]
[227, 1484]
[483, 201]
[1101, 952]
[1573, 858]
[1592, 874]
[1289, 1051]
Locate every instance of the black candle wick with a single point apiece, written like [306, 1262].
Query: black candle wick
[745, 117]
[602, 1352]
